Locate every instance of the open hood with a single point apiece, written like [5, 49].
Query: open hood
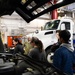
[29, 9]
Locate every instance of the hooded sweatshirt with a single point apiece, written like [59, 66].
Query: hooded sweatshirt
[68, 46]
[63, 58]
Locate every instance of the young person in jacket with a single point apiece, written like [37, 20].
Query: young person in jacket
[37, 51]
[63, 56]
[18, 46]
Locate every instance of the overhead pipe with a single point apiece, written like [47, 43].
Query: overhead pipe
[54, 14]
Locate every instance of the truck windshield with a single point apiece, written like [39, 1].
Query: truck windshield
[52, 25]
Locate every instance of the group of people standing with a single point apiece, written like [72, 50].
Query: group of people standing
[36, 51]
[63, 57]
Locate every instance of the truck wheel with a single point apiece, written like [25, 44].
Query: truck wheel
[50, 57]
[48, 50]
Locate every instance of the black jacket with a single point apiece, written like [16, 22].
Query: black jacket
[19, 49]
[37, 55]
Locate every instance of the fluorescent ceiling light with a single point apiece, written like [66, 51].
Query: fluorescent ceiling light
[59, 1]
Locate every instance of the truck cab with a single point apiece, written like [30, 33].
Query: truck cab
[48, 35]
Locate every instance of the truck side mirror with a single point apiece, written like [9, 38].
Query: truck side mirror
[62, 27]
[36, 31]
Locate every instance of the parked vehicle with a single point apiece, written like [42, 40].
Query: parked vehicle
[48, 35]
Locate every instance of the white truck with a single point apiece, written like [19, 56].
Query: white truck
[48, 35]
